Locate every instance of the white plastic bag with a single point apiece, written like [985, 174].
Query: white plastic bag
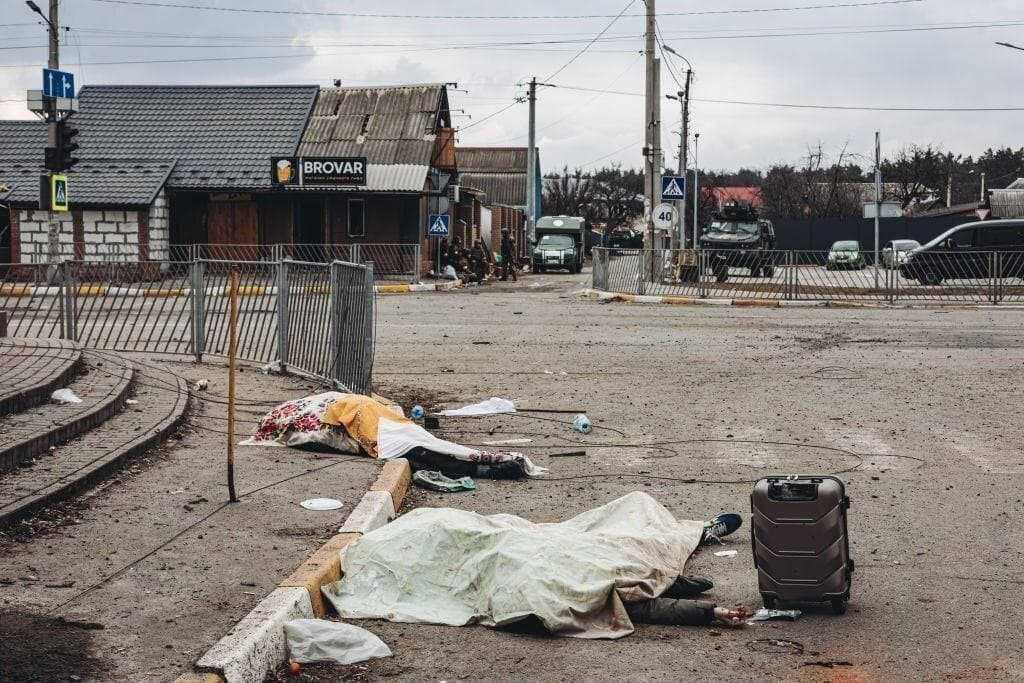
[318, 640]
[492, 406]
[449, 273]
[65, 396]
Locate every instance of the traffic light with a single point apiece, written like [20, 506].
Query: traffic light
[62, 146]
[66, 145]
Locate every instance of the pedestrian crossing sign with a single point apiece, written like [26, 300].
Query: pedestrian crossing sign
[439, 225]
[673, 187]
[59, 192]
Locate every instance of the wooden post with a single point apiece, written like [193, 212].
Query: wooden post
[232, 353]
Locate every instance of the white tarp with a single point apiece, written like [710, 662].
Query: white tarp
[318, 640]
[452, 567]
[492, 406]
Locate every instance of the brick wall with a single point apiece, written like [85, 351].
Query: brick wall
[159, 228]
[33, 236]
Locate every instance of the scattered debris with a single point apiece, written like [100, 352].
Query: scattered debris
[435, 481]
[318, 640]
[570, 454]
[727, 553]
[131, 402]
[65, 396]
[508, 442]
[492, 406]
[776, 646]
[202, 385]
[776, 615]
[63, 584]
[321, 504]
[827, 664]
[582, 424]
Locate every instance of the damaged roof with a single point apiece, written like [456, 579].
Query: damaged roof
[500, 172]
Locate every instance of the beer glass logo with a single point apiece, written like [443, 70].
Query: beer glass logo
[285, 170]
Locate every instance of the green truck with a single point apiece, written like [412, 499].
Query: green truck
[560, 245]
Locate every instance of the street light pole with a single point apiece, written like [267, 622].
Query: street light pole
[531, 167]
[696, 191]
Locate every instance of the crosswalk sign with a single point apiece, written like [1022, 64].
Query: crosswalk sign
[59, 192]
[439, 225]
[673, 187]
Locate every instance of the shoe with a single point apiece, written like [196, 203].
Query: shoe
[688, 587]
[720, 527]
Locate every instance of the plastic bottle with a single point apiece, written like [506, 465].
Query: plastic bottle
[582, 424]
[417, 412]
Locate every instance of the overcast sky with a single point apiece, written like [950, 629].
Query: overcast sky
[887, 67]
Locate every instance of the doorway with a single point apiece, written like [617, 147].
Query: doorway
[310, 223]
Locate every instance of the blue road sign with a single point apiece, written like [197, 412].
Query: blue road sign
[673, 187]
[440, 224]
[58, 83]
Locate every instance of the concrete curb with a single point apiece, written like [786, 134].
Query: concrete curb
[414, 288]
[38, 393]
[256, 645]
[778, 303]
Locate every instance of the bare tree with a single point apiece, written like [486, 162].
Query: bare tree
[569, 194]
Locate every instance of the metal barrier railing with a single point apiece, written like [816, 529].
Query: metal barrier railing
[316, 318]
[391, 262]
[941, 277]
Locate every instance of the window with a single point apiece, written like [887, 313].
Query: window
[356, 218]
[963, 239]
[1004, 237]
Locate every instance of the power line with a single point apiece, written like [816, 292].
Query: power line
[492, 17]
[591, 43]
[491, 115]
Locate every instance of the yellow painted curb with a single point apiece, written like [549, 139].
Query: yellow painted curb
[756, 303]
[250, 290]
[322, 567]
[680, 301]
[162, 293]
[199, 678]
[316, 289]
[91, 290]
[393, 289]
[19, 291]
[395, 478]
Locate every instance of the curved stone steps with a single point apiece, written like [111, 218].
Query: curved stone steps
[103, 385]
[32, 369]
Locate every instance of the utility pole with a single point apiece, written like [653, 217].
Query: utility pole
[696, 191]
[878, 196]
[684, 140]
[651, 145]
[531, 167]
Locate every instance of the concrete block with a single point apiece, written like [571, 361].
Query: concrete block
[131, 237]
[89, 217]
[114, 216]
[374, 511]
[257, 644]
[105, 227]
[113, 238]
[395, 479]
[322, 567]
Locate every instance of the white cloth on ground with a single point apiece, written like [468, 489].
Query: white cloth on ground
[492, 406]
[319, 640]
[453, 567]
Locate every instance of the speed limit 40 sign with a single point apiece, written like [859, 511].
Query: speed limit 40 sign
[665, 216]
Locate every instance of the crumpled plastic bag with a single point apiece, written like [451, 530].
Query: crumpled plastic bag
[435, 481]
[449, 273]
[492, 406]
[318, 640]
[65, 396]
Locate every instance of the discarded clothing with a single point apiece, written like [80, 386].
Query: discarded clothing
[318, 640]
[668, 612]
[452, 567]
[492, 406]
[361, 417]
[435, 481]
[486, 465]
[300, 423]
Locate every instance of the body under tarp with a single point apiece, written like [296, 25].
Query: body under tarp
[453, 567]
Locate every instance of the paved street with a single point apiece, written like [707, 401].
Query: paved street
[917, 409]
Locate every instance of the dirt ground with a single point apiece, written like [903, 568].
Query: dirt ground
[151, 621]
[918, 411]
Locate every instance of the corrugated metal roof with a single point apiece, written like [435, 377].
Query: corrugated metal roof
[222, 136]
[502, 189]
[381, 178]
[387, 125]
[492, 159]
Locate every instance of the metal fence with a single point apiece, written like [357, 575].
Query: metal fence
[391, 262]
[979, 277]
[314, 318]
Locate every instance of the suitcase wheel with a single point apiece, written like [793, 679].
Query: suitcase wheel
[839, 606]
[769, 601]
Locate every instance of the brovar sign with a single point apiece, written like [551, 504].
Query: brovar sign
[334, 171]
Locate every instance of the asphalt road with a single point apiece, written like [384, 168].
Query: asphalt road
[922, 405]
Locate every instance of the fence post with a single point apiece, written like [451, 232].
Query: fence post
[336, 301]
[995, 269]
[790, 289]
[641, 271]
[198, 310]
[283, 309]
[369, 333]
[68, 312]
[356, 256]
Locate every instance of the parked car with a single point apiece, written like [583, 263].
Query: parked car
[895, 252]
[845, 254]
[965, 252]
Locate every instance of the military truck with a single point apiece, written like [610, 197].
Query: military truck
[738, 238]
[560, 244]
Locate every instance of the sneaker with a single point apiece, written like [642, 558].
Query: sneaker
[720, 527]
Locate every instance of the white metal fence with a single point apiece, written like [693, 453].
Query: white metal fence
[981, 277]
[315, 318]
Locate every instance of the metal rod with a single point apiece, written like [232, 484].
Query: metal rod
[232, 351]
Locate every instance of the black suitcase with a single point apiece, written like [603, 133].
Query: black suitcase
[800, 540]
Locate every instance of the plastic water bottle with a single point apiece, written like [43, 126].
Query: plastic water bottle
[417, 412]
[582, 424]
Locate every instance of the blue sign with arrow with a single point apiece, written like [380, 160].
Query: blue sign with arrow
[440, 225]
[673, 187]
[58, 83]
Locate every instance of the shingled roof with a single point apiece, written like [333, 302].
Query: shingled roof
[97, 182]
[221, 136]
[394, 127]
[500, 172]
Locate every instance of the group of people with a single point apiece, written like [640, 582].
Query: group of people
[476, 264]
